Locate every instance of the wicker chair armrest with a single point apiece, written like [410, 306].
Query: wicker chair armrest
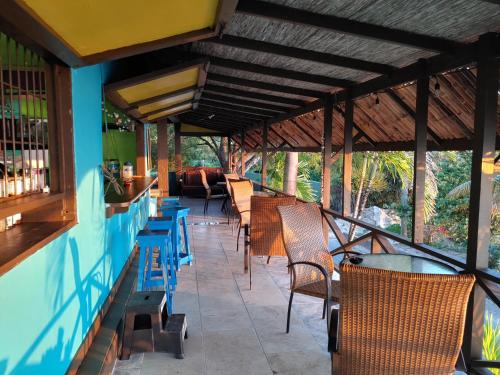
[341, 251]
[328, 281]
[334, 330]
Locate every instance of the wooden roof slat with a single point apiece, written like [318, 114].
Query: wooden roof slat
[345, 25]
[282, 73]
[265, 85]
[238, 108]
[232, 111]
[254, 95]
[247, 103]
[303, 54]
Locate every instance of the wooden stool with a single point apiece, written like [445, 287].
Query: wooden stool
[149, 328]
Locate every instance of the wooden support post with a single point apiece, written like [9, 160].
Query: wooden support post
[162, 130]
[481, 192]
[140, 150]
[326, 148]
[178, 151]
[243, 153]
[347, 151]
[264, 156]
[419, 159]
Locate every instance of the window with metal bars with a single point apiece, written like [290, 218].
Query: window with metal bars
[36, 150]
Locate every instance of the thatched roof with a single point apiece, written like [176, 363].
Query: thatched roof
[388, 124]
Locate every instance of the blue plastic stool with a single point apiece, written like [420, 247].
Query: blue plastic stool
[148, 278]
[179, 216]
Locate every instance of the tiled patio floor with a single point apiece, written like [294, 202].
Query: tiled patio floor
[234, 330]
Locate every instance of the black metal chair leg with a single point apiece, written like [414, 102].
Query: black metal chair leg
[250, 269]
[289, 310]
[268, 259]
[324, 309]
[238, 239]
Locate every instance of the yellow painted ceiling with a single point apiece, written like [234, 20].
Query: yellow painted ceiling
[159, 86]
[166, 102]
[93, 26]
[170, 111]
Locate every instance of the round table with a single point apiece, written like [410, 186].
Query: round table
[402, 263]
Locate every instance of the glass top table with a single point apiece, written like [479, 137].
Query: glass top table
[402, 263]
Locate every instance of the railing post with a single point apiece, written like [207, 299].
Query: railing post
[140, 150]
[481, 191]
[162, 130]
[264, 155]
[326, 148]
[419, 159]
[347, 151]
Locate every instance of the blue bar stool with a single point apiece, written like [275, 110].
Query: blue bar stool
[165, 224]
[170, 202]
[147, 277]
[179, 215]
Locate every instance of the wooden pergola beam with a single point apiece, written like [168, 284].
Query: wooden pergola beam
[278, 72]
[345, 26]
[465, 130]
[347, 160]
[237, 108]
[264, 155]
[244, 102]
[265, 85]
[420, 160]
[224, 116]
[210, 87]
[303, 54]
[482, 173]
[252, 118]
[162, 130]
[326, 153]
[173, 94]
[280, 136]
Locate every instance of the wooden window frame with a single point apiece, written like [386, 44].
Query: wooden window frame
[45, 216]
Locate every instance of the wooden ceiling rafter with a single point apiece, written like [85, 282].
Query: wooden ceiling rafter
[305, 131]
[160, 110]
[237, 115]
[254, 95]
[345, 26]
[237, 108]
[245, 102]
[202, 117]
[173, 94]
[302, 54]
[266, 85]
[278, 72]
[356, 126]
[202, 111]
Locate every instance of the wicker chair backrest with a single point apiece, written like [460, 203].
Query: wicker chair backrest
[241, 191]
[230, 176]
[204, 179]
[400, 323]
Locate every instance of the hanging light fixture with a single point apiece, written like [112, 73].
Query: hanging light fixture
[437, 88]
[377, 101]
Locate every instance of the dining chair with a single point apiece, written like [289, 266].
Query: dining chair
[393, 322]
[228, 177]
[212, 192]
[266, 238]
[309, 258]
[241, 191]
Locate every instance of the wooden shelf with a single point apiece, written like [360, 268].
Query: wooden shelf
[25, 239]
[116, 203]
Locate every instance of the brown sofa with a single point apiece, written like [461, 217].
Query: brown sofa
[191, 185]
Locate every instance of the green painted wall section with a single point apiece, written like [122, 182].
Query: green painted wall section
[49, 301]
[119, 145]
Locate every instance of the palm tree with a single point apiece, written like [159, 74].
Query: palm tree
[276, 171]
[374, 170]
[463, 190]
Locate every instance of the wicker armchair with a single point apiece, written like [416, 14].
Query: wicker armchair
[230, 177]
[398, 323]
[241, 191]
[311, 262]
[266, 238]
[212, 192]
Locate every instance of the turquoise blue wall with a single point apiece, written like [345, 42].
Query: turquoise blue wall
[49, 301]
